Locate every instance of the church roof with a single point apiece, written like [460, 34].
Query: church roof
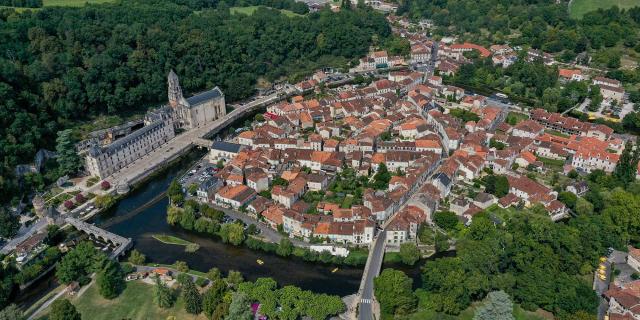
[226, 146]
[203, 97]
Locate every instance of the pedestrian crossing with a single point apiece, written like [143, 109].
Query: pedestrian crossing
[369, 301]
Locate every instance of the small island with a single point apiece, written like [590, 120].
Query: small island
[189, 246]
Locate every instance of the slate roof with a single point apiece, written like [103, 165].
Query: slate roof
[205, 96]
[226, 146]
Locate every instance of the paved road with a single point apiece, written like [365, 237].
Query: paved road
[170, 150]
[372, 270]
[374, 261]
[266, 231]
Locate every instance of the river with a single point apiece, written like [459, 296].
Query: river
[143, 213]
[128, 220]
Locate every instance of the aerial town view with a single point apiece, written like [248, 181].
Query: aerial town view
[320, 159]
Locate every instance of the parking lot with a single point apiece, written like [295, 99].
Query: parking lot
[200, 172]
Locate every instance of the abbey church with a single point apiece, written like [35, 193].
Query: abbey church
[197, 110]
[105, 155]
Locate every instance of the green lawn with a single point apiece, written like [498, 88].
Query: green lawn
[514, 118]
[579, 7]
[171, 240]
[552, 163]
[135, 302]
[251, 9]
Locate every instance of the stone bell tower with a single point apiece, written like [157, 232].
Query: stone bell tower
[175, 92]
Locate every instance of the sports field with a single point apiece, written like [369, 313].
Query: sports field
[577, 8]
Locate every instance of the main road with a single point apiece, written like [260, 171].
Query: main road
[372, 270]
[366, 293]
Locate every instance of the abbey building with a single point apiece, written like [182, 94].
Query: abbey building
[105, 156]
[195, 111]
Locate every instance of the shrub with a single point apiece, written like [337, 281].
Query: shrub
[80, 198]
[69, 204]
[105, 185]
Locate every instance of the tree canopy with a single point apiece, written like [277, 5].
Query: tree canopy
[394, 292]
[62, 309]
[63, 66]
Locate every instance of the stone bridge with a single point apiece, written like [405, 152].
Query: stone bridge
[122, 244]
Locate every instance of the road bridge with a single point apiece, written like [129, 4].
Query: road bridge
[122, 244]
[365, 296]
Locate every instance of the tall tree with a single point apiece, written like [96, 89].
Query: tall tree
[214, 274]
[498, 306]
[409, 253]
[12, 312]
[111, 280]
[191, 297]
[234, 278]
[68, 157]
[162, 295]
[213, 297]
[240, 307]
[83, 260]
[136, 257]
[625, 170]
[232, 233]
[9, 224]
[285, 248]
[393, 290]
[62, 309]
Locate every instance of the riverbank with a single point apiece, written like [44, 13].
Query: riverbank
[151, 220]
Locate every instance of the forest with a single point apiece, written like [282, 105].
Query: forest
[541, 24]
[21, 3]
[60, 67]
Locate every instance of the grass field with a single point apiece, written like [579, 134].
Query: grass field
[251, 9]
[552, 163]
[514, 118]
[578, 8]
[135, 302]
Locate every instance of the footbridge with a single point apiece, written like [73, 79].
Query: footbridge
[122, 244]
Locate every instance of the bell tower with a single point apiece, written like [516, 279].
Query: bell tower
[174, 90]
